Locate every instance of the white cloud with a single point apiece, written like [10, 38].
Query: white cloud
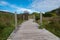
[18, 9]
[3, 3]
[45, 5]
[37, 5]
[4, 10]
[24, 9]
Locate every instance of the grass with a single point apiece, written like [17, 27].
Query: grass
[54, 28]
[52, 25]
[6, 32]
[7, 24]
[5, 29]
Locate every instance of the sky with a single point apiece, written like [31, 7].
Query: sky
[20, 6]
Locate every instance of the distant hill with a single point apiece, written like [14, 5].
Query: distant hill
[55, 12]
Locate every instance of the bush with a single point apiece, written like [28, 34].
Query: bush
[37, 17]
[47, 15]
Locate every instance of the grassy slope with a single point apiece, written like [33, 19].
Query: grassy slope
[52, 23]
[6, 24]
[54, 26]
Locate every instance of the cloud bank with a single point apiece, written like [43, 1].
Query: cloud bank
[45, 5]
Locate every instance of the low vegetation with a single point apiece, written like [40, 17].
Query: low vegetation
[7, 24]
[54, 26]
[51, 21]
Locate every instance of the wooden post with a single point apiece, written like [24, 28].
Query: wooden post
[40, 18]
[34, 17]
[15, 20]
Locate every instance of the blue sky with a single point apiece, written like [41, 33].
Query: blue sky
[29, 5]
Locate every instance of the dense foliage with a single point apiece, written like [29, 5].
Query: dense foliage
[47, 15]
[37, 15]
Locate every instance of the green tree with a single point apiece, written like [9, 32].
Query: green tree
[37, 15]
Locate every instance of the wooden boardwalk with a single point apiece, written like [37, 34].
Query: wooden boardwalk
[29, 31]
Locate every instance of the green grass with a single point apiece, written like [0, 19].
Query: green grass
[41, 26]
[5, 29]
[7, 24]
[53, 26]
[6, 32]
